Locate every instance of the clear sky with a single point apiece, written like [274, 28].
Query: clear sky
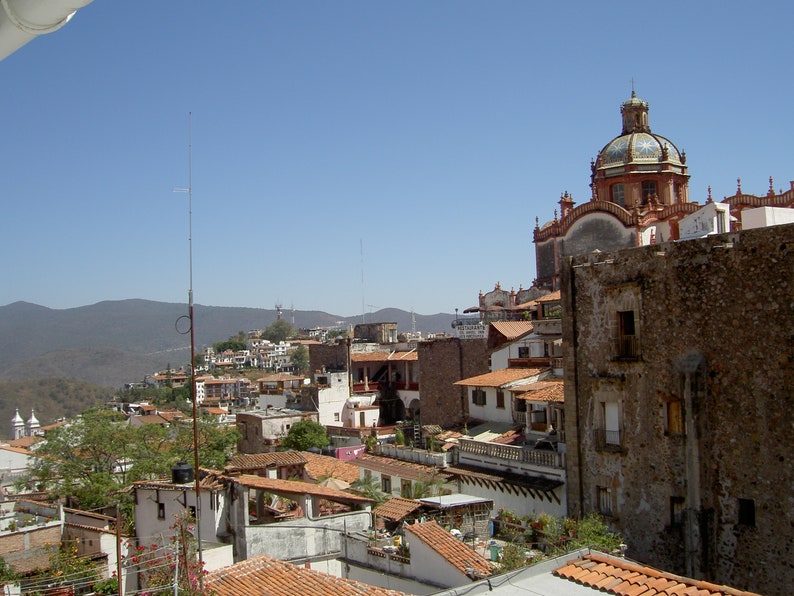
[358, 154]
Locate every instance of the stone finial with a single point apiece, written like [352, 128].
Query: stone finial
[771, 192]
[537, 222]
[738, 186]
[709, 199]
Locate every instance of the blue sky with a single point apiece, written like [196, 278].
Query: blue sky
[429, 133]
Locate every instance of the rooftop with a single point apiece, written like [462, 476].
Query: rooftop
[268, 576]
[463, 557]
[614, 575]
[499, 378]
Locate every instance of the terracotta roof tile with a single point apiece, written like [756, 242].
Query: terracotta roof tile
[553, 297]
[384, 356]
[24, 442]
[324, 466]
[459, 554]
[297, 488]
[512, 329]
[396, 467]
[498, 378]
[266, 576]
[256, 461]
[618, 576]
[396, 508]
[546, 391]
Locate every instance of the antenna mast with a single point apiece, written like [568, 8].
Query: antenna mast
[193, 393]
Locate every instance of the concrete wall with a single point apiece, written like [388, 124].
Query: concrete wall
[441, 363]
[714, 320]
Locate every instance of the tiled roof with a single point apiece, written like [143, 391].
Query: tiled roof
[25, 442]
[613, 575]
[384, 356]
[279, 377]
[547, 391]
[512, 329]
[324, 466]
[396, 508]
[553, 297]
[256, 461]
[396, 467]
[266, 576]
[294, 487]
[215, 411]
[20, 450]
[514, 436]
[151, 419]
[459, 554]
[501, 377]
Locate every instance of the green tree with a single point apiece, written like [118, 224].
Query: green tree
[279, 331]
[81, 460]
[369, 487]
[300, 359]
[230, 344]
[305, 434]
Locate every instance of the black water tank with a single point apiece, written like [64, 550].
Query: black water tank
[182, 473]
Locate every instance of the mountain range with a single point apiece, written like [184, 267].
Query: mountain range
[114, 342]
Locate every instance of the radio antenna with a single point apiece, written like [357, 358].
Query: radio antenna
[193, 393]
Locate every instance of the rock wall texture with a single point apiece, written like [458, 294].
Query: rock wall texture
[679, 389]
[441, 363]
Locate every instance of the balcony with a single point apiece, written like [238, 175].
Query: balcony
[536, 457]
[607, 440]
[548, 326]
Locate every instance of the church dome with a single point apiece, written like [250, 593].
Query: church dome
[637, 144]
[639, 147]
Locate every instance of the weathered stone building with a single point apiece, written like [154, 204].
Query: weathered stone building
[679, 386]
[442, 362]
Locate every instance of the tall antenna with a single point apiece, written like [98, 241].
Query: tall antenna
[193, 393]
[361, 248]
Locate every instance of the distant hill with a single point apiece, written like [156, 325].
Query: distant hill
[113, 342]
[51, 399]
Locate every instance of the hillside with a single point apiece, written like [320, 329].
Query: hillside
[113, 342]
[51, 399]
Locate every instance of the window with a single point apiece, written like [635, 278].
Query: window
[160, 510]
[675, 417]
[405, 489]
[192, 511]
[747, 512]
[523, 351]
[478, 396]
[367, 474]
[618, 195]
[648, 190]
[336, 416]
[607, 433]
[385, 484]
[500, 398]
[628, 342]
[604, 496]
[677, 510]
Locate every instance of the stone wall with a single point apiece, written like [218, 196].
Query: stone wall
[699, 476]
[441, 363]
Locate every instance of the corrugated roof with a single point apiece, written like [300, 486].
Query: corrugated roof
[462, 556]
[499, 378]
[618, 576]
[265, 576]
